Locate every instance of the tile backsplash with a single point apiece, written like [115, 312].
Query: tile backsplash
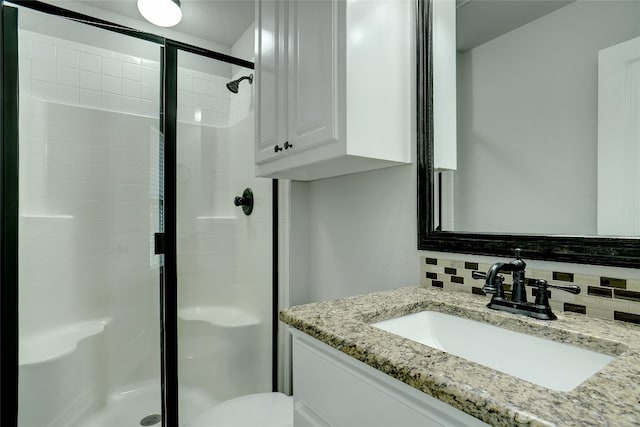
[611, 298]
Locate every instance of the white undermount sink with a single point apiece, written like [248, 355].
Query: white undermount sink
[554, 365]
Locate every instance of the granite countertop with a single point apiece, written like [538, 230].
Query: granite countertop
[609, 398]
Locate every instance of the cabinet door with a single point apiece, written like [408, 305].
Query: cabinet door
[316, 44]
[333, 389]
[271, 91]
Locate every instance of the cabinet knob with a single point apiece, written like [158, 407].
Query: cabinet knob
[287, 145]
[277, 148]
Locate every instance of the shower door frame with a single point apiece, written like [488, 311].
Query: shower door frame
[9, 143]
[9, 340]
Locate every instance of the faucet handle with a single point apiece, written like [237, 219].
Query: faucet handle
[573, 289]
[543, 285]
[479, 275]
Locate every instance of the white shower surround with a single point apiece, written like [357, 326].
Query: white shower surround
[88, 167]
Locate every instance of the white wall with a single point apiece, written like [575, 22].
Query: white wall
[363, 237]
[527, 122]
[242, 102]
[361, 233]
[244, 47]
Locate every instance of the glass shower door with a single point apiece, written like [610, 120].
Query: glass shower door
[224, 257]
[90, 189]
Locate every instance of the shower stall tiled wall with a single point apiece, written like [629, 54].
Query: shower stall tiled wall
[91, 200]
[89, 207]
[224, 257]
[70, 72]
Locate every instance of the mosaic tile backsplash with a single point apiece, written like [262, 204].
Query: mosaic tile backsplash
[611, 298]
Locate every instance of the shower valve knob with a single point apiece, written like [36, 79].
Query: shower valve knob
[287, 145]
[277, 148]
[245, 201]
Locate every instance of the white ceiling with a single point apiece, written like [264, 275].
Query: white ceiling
[219, 21]
[479, 21]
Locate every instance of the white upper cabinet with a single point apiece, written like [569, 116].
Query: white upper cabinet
[313, 73]
[335, 87]
[270, 57]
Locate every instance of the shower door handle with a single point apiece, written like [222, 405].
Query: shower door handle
[158, 244]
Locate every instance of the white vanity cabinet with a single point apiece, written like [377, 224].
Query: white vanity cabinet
[334, 87]
[333, 389]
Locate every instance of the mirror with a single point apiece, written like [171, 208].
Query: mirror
[545, 129]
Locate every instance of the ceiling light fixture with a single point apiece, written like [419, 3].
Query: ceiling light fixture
[163, 13]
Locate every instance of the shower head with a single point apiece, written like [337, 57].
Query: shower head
[233, 86]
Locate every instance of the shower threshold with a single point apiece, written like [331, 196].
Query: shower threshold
[142, 402]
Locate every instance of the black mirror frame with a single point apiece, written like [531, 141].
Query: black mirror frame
[612, 251]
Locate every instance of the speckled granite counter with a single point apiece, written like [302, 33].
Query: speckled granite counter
[609, 398]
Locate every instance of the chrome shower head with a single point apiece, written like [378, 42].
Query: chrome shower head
[233, 86]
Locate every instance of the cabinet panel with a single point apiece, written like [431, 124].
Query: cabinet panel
[270, 84]
[343, 392]
[343, 399]
[314, 59]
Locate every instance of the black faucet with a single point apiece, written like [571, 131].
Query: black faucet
[518, 304]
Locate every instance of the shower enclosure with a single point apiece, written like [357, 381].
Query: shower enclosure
[142, 294]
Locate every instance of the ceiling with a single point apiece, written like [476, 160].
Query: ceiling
[479, 21]
[219, 21]
[224, 21]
